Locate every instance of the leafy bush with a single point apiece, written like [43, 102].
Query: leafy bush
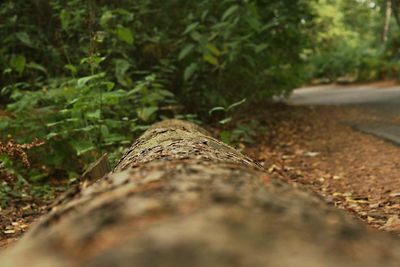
[208, 52]
[79, 118]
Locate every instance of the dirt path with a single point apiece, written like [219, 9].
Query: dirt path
[352, 170]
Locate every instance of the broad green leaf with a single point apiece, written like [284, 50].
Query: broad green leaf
[69, 120]
[94, 115]
[71, 102]
[214, 34]
[250, 60]
[165, 93]
[225, 121]
[229, 12]
[236, 104]
[105, 18]
[35, 66]
[188, 73]
[197, 36]
[105, 132]
[261, 47]
[52, 124]
[146, 113]
[65, 18]
[71, 68]
[125, 34]
[64, 111]
[135, 90]
[211, 111]
[135, 127]
[211, 59]
[191, 27]
[18, 62]
[93, 60]
[121, 67]
[113, 139]
[24, 38]
[51, 135]
[112, 97]
[84, 80]
[269, 25]
[213, 49]
[185, 51]
[86, 129]
[254, 23]
[6, 71]
[204, 14]
[109, 85]
[81, 146]
[122, 11]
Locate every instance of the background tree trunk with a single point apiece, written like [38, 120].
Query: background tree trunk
[182, 198]
[388, 16]
[395, 8]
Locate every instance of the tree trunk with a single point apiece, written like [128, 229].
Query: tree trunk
[388, 16]
[182, 198]
[395, 8]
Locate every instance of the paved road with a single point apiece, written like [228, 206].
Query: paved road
[344, 95]
[383, 102]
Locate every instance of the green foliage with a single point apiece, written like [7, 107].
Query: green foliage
[226, 111]
[241, 133]
[245, 132]
[233, 132]
[348, 42]
[81, 117]
[208, 53]
[227, 49]
[12, 183]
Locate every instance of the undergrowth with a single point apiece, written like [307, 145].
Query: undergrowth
[13, 156]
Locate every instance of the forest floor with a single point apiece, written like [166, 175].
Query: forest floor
[17, 217]
[312, 146]
[315, 147]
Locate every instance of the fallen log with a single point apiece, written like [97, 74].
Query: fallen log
[179, 197]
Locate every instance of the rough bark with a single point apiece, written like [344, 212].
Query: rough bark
[182, 198]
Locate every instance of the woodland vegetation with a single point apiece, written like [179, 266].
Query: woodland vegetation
[80, 78]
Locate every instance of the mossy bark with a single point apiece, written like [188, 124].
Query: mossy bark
[179, 197]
